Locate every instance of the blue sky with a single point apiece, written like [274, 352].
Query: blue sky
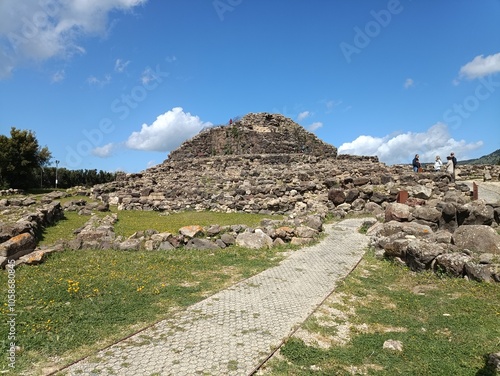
[117, 84]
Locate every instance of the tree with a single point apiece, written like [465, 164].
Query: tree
[20, 158]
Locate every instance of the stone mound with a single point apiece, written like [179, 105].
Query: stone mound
[255, 133]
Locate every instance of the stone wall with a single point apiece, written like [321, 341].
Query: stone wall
[267, 183]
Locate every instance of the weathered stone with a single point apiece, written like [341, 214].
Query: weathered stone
[477, 238]
[427, 213]
[360, 181]
[480, 272]
[452, 263]
[336, 196]
[394, 246]
[351, 195]
[358, 204]
[213, 230]
[228, 239]
[397, 212]
[165, 246]
[420, 191]
[420, 254]
[18, 246]
[191, 231]
[130, 245]
[254, 240]
[201, 244]
[305, 232]
[478, 214]
[284, 232]
[314, 222]
[220, 243]
[300, 241]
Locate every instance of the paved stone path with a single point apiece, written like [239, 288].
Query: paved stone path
[489, 191]
[235, 330]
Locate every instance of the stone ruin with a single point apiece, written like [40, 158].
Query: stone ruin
[254, 134]
[265, 163]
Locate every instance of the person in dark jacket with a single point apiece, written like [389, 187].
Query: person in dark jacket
[454, 160]
[416, 163]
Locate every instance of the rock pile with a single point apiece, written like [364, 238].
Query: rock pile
[267, 184]
[98, 233]
[453, 235]
[19, 237]
[254, 134]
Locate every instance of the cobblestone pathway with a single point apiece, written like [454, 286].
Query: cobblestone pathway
[487, 191]
[235, 330]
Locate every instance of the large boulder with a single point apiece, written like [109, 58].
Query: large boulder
[452, 263]
[477, 238]
[336, 196]
[420, 254]
[478, 214]
[426, 213]
[254, 240]
[397, 212]
[18, 246]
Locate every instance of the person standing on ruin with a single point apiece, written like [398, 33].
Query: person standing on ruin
[438, 163]
[455, 162]
[416, 163]
[450, 169]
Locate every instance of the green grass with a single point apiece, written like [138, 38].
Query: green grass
[132, 221]
[447, 326]
[79, 301]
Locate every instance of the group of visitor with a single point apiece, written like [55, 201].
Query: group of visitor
[449, 167]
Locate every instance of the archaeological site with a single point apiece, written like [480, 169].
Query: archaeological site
[266, 163]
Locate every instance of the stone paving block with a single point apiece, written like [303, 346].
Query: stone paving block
[232, 332]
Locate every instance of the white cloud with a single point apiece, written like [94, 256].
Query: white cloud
[167, 132]
[409, 83]
[121, 65]
[92, 80]
[401, 148]
[103, 151]
[303, 115]
[40, 30]
[315, 126]
[481, 66]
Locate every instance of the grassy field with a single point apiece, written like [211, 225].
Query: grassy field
[446, 326]
[80, 301]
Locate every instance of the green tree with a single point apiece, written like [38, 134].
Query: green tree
[20, 158]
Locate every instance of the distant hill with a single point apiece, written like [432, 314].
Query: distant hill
[490, 159]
